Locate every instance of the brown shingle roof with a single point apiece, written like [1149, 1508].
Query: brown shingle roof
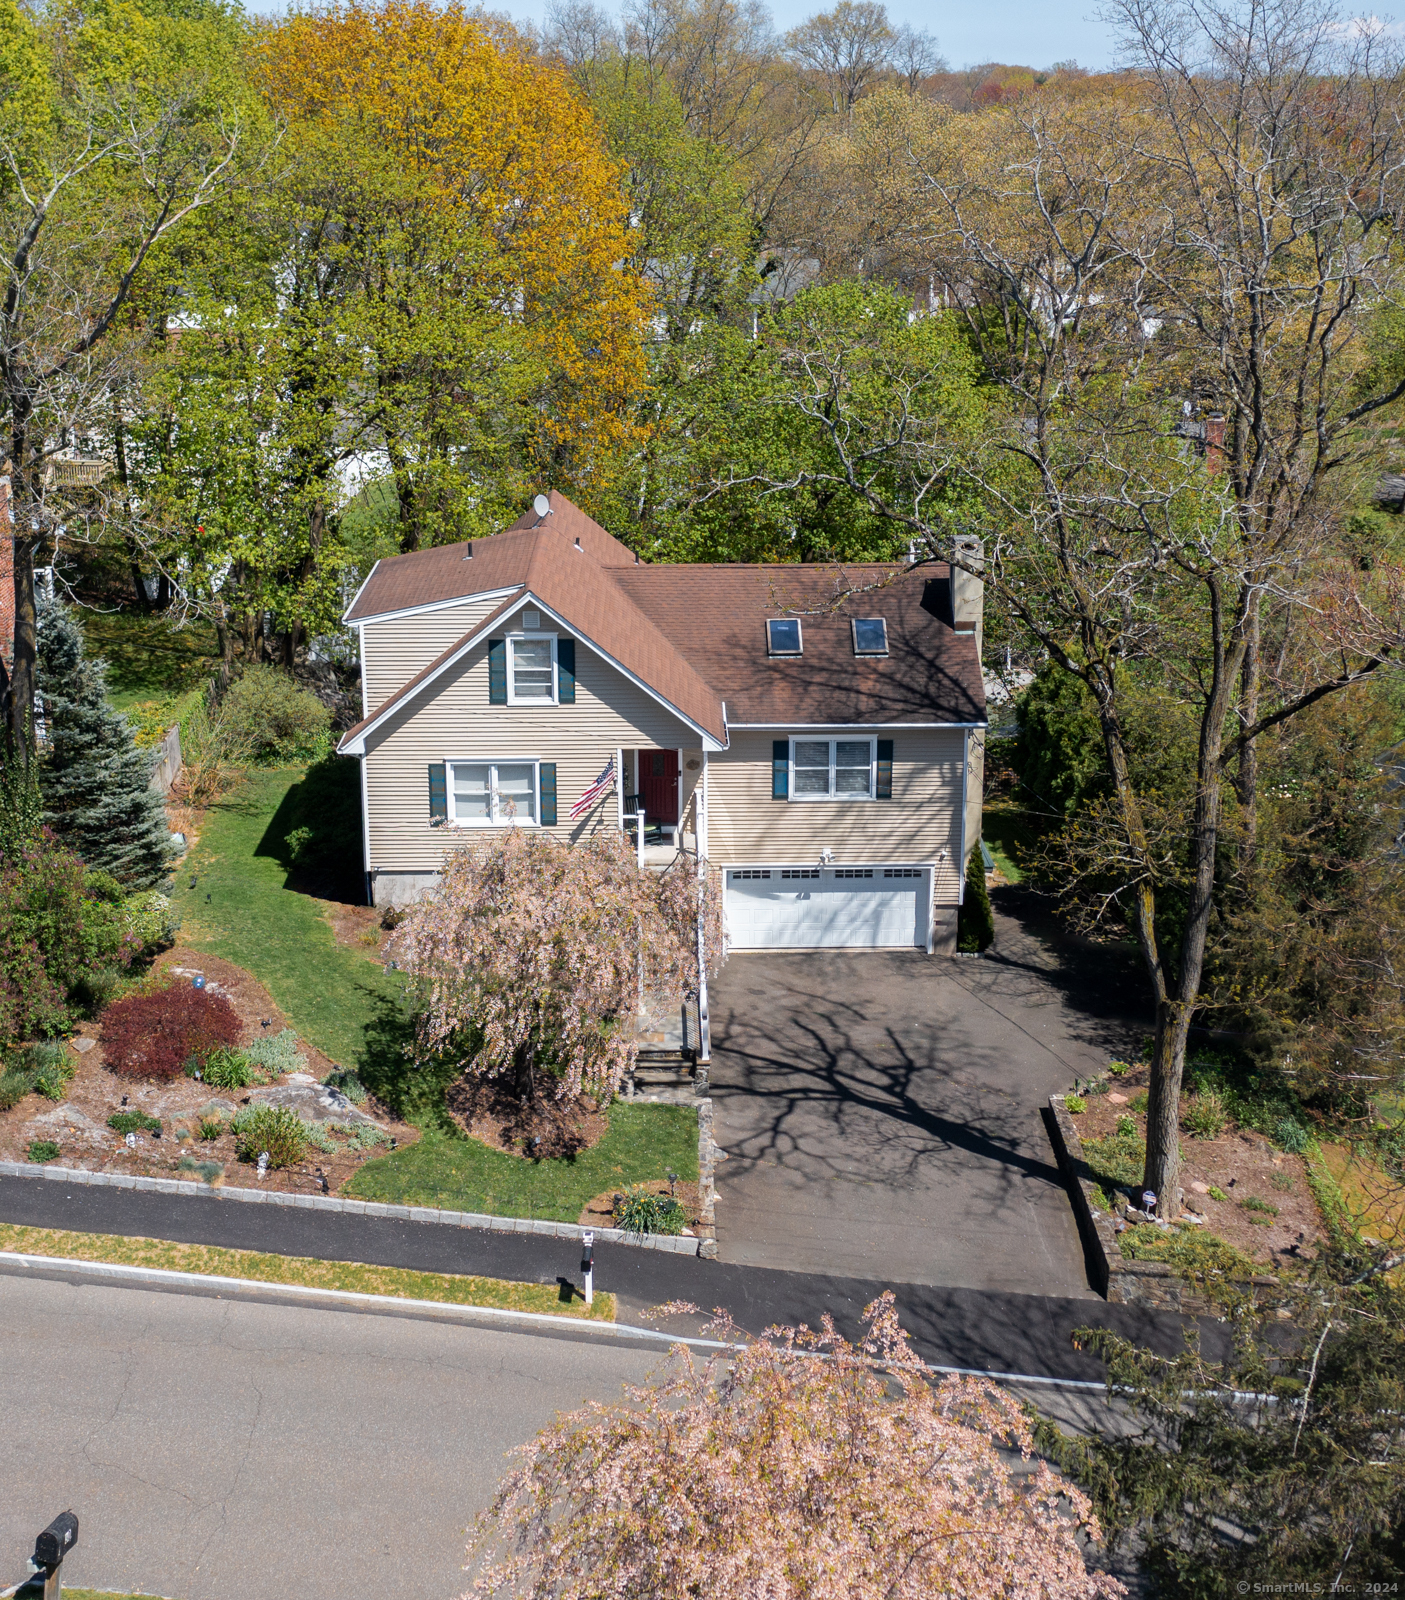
[696, 634]
[716, 617]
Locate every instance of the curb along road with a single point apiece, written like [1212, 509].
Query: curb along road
[675, 1245]
[965, 1328]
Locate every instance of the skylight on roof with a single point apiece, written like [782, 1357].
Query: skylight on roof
[783, 636]
[870, 636]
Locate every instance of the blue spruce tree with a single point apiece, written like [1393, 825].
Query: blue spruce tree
[94, 781]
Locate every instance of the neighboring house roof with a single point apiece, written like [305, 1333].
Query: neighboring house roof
[695, 635]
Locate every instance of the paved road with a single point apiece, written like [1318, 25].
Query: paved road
[882, 1113]
[215, 1449]
[990, 1331]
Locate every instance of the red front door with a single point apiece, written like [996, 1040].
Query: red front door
[658, 783]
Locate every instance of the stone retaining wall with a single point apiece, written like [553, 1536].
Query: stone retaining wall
[1117, 1278]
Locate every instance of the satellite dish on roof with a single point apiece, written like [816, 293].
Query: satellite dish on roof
[542, 506]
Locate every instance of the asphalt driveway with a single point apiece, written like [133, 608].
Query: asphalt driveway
[881, 1111]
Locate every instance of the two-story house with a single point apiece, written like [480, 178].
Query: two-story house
[814, 733]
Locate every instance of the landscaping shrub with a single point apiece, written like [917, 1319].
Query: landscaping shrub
[1216, 1193]
[1116, 1162]
[318, 1136]
[1192, 1250]
[366, 1136]
[1126, 1127]
[210, 1128]
[43, 1150]
[1290, 1135]
[275, 1129]
[1075, 1105]
[226, 1069]
[349, 1084]
[67, 938]
[268, 714]
[154, 1035]
[15, 1083]
[277, 1054]
[1140, 1102]
[975, 924]
[638, 1211]
[1203, 1115]
[125, 1122]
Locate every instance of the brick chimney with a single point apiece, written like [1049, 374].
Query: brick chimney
[1214, 443]
[7, 578]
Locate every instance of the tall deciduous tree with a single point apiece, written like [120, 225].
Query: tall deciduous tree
[530, 959]
[787, 1465]
[1209, 246]
[119, 122]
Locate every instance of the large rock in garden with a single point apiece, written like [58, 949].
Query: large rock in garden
[314, 1102]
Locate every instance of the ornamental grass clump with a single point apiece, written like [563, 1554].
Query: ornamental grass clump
[794, 1464]
[527, 961]
[277, 1130]
[154, 1035]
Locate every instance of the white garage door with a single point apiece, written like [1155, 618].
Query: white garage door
[808, 908]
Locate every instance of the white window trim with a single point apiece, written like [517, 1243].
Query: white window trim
[812, 799]
[530, 700]
[495, 821]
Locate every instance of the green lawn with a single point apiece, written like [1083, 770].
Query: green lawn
[462, 1175]
[241, 908]
[1007, 830]
[236, 900]
[146, 658]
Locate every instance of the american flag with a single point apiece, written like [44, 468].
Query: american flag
[602, 785]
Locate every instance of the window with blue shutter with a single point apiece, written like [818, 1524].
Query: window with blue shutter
[497, 672]
[547, 786]
[883, 786]
[438, 794]
[780, 769]
[566, 672]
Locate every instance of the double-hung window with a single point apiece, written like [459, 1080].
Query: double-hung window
[831, 769]
[488, 794]
[531, 669]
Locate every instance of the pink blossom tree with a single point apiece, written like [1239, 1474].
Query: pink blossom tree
[792, 1467]
[530, 957]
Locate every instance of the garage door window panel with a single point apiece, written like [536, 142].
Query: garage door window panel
[832, 769]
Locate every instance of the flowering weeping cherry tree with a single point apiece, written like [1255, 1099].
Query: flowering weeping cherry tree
[796, 1465]
[530, 958]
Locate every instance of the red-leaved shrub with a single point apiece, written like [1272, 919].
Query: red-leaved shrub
[154, 1035]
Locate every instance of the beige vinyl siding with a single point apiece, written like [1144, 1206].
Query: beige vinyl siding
[746, 826]
[451, 720]
[392, 652]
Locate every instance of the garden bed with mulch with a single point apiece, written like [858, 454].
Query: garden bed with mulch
[600, 1212]
[78, 1124]
[539, 1129]
[1253, 1196]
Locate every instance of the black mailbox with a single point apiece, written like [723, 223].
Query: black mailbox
[56, 1540]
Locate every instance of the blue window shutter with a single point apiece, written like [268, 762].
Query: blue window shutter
[883, 784]
[438, 794]
[497, 672]
[780, 769]
[566, 671]
[547, 780]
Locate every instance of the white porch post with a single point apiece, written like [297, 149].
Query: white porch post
[704, 1026]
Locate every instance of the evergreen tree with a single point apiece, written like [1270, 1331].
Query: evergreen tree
[975, 923]
[95, 782]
